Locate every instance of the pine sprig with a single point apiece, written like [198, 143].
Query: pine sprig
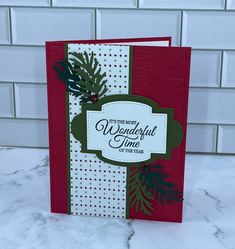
[83, 76]
[148, 183]
[139, 197]
[155, 181]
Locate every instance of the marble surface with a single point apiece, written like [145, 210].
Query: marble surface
[26, 222]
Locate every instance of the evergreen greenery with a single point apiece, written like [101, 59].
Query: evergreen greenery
[83, 76]
[148, 183]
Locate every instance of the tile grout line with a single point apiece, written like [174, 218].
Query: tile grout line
[210, 153]
[46, 119]
[181, 27]
[24, 147]
[10, 26]
[119, 8]
[221, 70]
[225, 4]
[208, 124]
[24, 118]
[137, 4]
[217, 138]
[190, 87]
[22, 45]
[14, 100]
[212, 87]
[95, 23]
[22, 82]
[42, 46]
[214, 49]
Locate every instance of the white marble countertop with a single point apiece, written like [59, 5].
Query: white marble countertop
[26, 222]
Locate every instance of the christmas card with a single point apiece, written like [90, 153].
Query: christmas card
[117, 127]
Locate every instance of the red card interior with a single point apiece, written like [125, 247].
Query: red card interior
[126, 40]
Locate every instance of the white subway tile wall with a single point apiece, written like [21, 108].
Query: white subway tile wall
[51, 24]
[183, 4]
[138, 23]
[226, 143]
[4, 26]
[97, 3]
[31, 100]
[6, 100]
[214, 106]
[201, 138]
[205, 70]
[22, 64]
[209, 29]
[25, 2]
[206, 25]
[230, 4]
[24, 132]
[228, 79]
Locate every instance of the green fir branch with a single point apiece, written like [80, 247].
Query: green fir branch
[148, 183]
[139, 197]
[83, 76]
[155, 181]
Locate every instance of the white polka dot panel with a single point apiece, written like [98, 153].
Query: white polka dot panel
[98, 188]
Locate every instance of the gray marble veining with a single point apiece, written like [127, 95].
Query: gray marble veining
[26, 222]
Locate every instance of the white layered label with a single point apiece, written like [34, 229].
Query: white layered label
[126, 131]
